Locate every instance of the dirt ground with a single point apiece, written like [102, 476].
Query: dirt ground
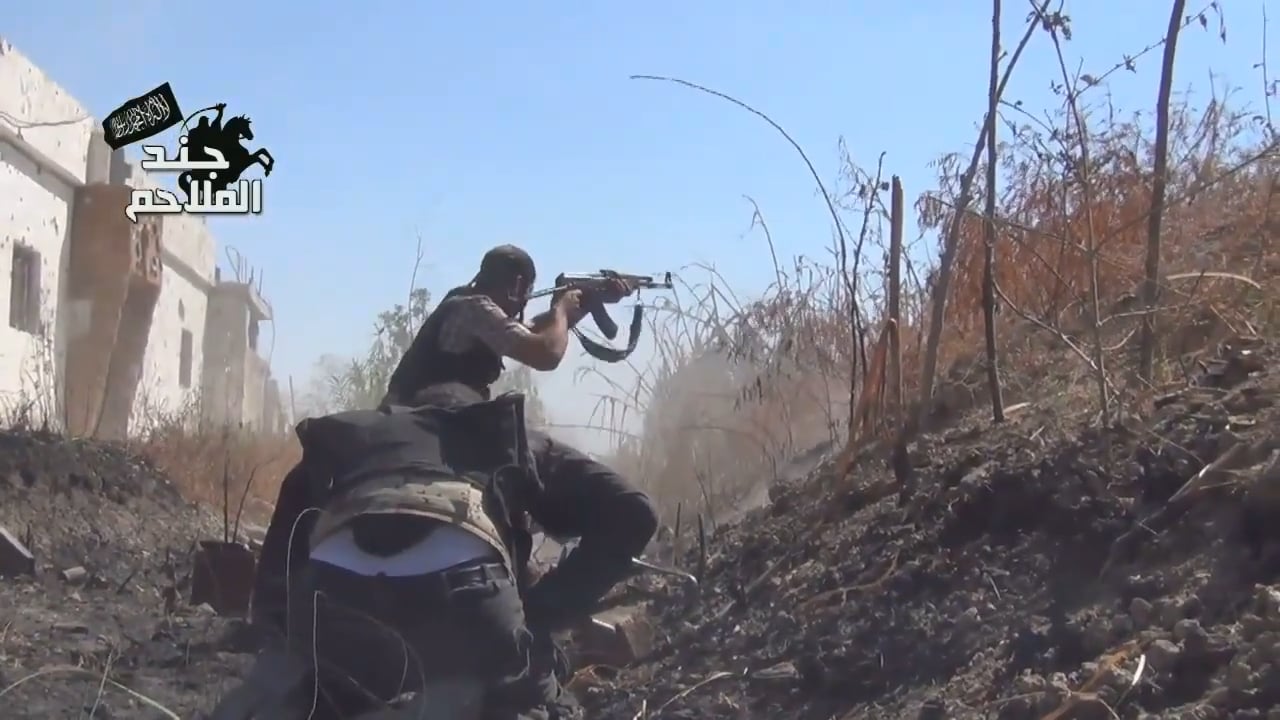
[1042, 570]
[94, 506]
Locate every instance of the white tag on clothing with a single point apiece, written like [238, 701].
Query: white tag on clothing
[445, 547]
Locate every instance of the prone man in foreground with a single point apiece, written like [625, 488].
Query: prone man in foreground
[397, 556]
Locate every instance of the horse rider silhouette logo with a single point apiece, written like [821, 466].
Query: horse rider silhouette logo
[211, 158]
[228, 140]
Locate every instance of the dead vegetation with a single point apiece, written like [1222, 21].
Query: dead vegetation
[1058, 262]
[236, 470]
[1088, 260]
[1095, 545]
[233, 469]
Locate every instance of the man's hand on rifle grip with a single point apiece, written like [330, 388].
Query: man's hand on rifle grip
[615, 289]
[571, 301]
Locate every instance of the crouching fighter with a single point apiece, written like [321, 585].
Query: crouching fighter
[456, 357]
[391, 566]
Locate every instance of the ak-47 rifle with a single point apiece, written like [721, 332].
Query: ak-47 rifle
[594, 284]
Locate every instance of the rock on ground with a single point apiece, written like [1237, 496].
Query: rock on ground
[1043, 569]
[122, 615]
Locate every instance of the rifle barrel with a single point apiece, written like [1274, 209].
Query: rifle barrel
[568, 280]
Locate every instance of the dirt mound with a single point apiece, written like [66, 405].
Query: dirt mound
[1043, 569]
[94, 506]
[81, 502]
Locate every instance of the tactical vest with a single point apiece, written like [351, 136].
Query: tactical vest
[467, 466]
[424, 364]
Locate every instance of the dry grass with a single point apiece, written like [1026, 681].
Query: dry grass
[1219, 219]
[739, 386]
[237, 471]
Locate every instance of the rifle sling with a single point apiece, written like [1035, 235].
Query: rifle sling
[609, 354]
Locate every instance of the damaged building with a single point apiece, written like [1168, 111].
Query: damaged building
[111, 324]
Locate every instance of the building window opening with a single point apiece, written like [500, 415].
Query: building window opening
[24, 290]
[184, 360]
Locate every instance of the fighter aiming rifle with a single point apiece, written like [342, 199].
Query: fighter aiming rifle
[591, 285]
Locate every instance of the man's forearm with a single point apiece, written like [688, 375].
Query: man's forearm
[572, 590]
[543, 320]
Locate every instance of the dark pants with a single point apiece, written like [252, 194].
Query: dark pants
[612, 519]
[375, 638]
[581, 498]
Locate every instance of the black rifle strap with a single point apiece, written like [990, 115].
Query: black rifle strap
[609, 354]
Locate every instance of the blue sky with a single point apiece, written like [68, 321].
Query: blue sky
[516, 122]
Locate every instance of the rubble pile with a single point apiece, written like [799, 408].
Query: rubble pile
[1044, 569]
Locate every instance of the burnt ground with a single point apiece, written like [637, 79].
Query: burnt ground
[1035, 570]
[96, 507]
[1040, 570]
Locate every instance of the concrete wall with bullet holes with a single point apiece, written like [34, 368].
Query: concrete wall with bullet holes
[56, 174]
[41, 165]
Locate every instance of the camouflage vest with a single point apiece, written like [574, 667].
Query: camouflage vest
[467, 466]
[457, 502]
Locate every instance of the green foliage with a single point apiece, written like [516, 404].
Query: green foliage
[360, 382]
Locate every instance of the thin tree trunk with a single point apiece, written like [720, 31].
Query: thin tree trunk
[897, 215]
[989, 254]
[1151, 283]
[938, 310]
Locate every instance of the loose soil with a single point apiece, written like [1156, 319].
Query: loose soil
[1044, 569]
[1039, 569]
[95, 506]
